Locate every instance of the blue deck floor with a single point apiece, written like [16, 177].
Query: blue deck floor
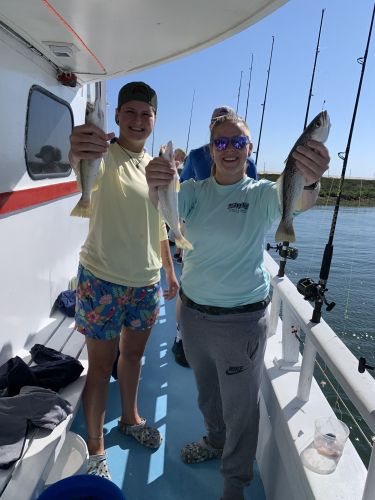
[167, 398]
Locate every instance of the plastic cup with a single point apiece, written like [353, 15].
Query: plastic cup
[323, 454]
[330, 436]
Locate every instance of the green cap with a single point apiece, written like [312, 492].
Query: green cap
[137, 91]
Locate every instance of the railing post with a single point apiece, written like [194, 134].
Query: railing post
[307, 370]
[290, 345]
[369, 491]
[275, 312]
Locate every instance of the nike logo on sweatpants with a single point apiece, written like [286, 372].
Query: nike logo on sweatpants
[234, 370]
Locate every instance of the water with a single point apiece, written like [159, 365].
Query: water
[351, 285]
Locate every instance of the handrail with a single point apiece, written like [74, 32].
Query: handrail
[320, 338]
[359, 387]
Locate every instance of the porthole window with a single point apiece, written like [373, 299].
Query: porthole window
[49, 123]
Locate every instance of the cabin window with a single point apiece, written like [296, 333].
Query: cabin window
[49, 124]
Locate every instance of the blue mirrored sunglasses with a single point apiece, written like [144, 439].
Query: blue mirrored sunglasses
[238, 142]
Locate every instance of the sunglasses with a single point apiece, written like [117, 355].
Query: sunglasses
[238, 142]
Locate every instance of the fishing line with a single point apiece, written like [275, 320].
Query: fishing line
[340, 400]
[321, 224]
[346, 316]
[336, 406]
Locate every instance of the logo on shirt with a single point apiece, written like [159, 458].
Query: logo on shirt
[238, 207]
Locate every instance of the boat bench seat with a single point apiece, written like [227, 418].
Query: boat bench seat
[26, 478]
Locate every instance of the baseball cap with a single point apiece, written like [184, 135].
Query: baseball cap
[221, 111]
[137, 91]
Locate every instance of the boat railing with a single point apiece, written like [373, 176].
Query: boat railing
[319, 339]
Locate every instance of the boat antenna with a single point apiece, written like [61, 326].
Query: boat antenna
[191, 114]
[285, 251]
[239, 92]
[313, 73]
[315, 292]
[264, 102]
[248, 87]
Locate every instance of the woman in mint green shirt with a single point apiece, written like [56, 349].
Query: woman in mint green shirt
[224, 291]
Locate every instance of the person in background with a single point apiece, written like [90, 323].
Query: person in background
[225, 291]
[198, 162]
[197, 166]
[118, 289]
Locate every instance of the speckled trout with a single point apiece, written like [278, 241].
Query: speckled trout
[168, 202]
[292, 180]
[89, 169]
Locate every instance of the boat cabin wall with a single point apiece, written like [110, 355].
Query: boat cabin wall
[40, 241]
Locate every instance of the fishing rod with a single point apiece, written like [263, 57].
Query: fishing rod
[248, 87]
[191, 114]
[239, 92]
[283, 249]
[315, 292]
[264, 102]
[313, 73]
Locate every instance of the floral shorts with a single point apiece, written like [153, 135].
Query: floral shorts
[103, 308]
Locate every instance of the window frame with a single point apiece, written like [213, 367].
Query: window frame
[53, 97]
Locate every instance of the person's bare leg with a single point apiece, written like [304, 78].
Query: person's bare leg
[101, 356]
[132, 346]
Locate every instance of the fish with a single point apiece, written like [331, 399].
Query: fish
[168, 201]
[89, 169]
[292, 180]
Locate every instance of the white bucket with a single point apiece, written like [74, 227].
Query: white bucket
[72, 459]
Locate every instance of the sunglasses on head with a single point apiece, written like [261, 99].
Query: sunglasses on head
[238, 142]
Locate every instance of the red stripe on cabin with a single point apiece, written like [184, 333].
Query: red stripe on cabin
[26, 198]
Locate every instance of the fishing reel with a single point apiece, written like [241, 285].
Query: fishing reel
[362, 366]
[291, 252]
[314, 292]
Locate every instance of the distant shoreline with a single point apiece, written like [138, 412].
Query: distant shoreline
[357, 192]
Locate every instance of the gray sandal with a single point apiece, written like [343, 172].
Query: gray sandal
[145, 435]
[196, 452]
[98, 466]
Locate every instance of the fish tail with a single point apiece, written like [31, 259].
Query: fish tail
[285, 232]
[183, 243]
[82, 209]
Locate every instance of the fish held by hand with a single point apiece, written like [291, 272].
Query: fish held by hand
[168, 202]
[89, 169]
[292, 180]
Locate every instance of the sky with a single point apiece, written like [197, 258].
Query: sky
[214, 74]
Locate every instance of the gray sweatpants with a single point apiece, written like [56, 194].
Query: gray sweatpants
[226, 354]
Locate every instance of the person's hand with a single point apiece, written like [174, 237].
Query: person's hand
[173, 287]
[312, 160]
[159, 172]
[88, 142]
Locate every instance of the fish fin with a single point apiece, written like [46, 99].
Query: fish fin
[285, 232]
[82, 209]
[183, 243]
[279, 184]
[177, 184]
